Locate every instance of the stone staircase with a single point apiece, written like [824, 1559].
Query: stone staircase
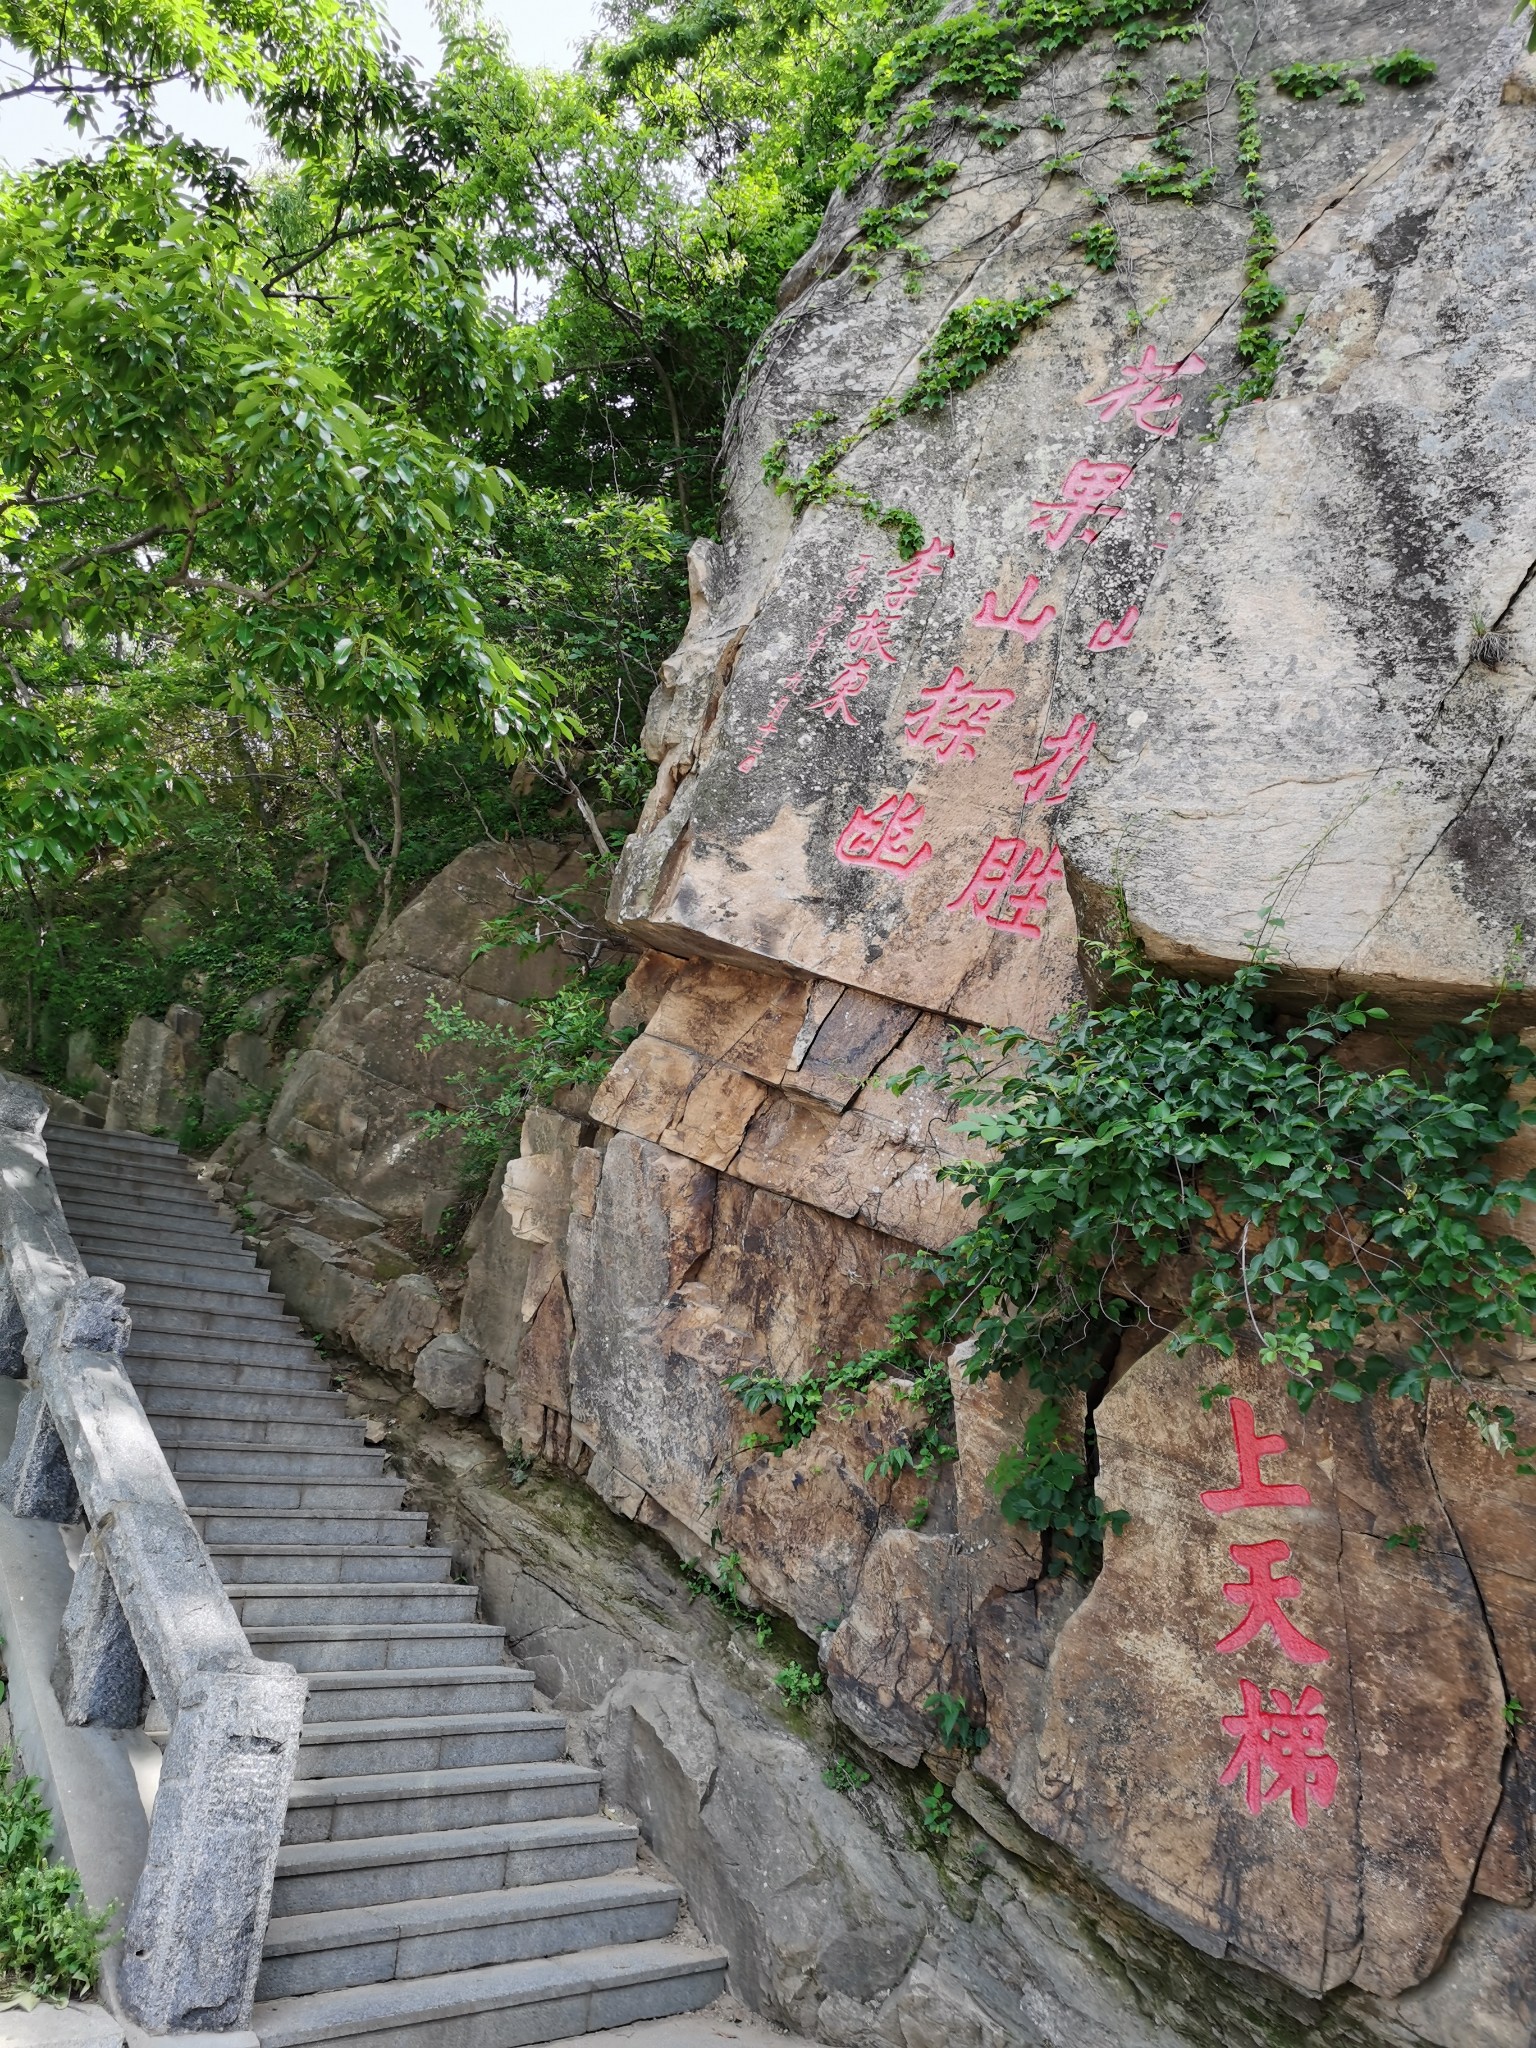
[447, 1879]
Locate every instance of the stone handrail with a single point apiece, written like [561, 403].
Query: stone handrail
[148, 1609]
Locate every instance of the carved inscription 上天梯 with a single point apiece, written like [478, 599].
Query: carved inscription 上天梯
[1281, 1749]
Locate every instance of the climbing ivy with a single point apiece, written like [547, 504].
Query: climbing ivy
[1174, 177]
[970, 338]
[798, 1405]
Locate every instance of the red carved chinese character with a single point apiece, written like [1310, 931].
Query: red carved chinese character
[1013, 620]
[1107, 634]
[849, 684]
[1064, 759]
[1087, 487]
[1143, 393]
[1010, 886]
[1286, 1740]
[1262, 1596]
[882, 838]
[871, 632]
[1253, 1490]
[955, 714]
[902, 582]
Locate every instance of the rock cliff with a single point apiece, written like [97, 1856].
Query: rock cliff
[1221, 610]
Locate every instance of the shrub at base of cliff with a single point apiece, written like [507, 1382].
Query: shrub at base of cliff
[1185, 1163]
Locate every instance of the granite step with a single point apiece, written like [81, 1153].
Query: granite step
[427, 1802]
[429, 1742]
[274, 1606]
[510, 2005]
[384, 1870]
[223, 1526]
[307, 1952]
[335, 1564]
[357, 1646]
[433, 1690]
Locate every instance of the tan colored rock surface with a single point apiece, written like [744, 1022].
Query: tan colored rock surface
[907, 1636]
[407, 1315]
[802, 1519]
[681, 1278]
[1343, 1843]
[1492, 1506]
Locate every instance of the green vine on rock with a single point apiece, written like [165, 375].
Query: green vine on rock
[1045, 1485]
[970, 338]
[1175, 177]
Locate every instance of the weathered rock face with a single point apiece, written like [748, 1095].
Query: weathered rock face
[159, 1070]
[1294, 1753]
[1265, 1781]
[1251, 734]
[351, 1103]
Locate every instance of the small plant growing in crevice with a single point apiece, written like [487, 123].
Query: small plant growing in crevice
[969, 340]
[1174, 177]
[936, 1811]
[1490, 647]
[844, 1775]
[1045, 1485]
[570, 1045]
[951, 1716]
[799, 1685]
[1099, 243]
[1514, 1713]
[1404, 67]
[724, 1590]
[1409, 1537]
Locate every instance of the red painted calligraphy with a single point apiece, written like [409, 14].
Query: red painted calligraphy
[1107, 634]
[1086, 489]
[845, 686]
[1011, 886]
[1015, 619]
[1065, 757]
[1142, 393]
[954, 715]
[1260, 1594]
[901, 582]
[1286, 1741]
[882, 837]
[872, 635]
[1253, 1490]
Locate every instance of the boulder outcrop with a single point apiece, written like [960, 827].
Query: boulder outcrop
[1221, 667]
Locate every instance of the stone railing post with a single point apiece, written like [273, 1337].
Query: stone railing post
[148, 1613]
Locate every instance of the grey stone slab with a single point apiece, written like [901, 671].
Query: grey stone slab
[292, 1493]
[172, 1398]
[330, 1951]
[260, 1317]
[318, 1606]
[220, 1524]
[311, 1564]
[425, 1802]
[348, 1648]
[147, 1269]
[271, 1432]
[327, 1876]
[72, 2026]
[507, 2005]
[234, 1368]
[427, 1689]
[429, 1742]
[226, 1460]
